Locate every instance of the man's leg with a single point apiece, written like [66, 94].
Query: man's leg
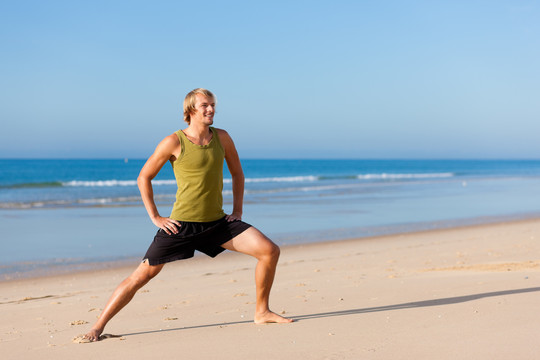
[253, 242]
[122, 296]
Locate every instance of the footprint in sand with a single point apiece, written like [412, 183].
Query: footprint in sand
[78, 322]
[80, 339]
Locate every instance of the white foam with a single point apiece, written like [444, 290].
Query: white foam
[100, 183]
[111, 183]
[278, 179]
[385, 176]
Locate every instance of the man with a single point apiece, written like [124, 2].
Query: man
[197, 221]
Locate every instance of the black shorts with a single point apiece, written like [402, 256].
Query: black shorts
[206, 237]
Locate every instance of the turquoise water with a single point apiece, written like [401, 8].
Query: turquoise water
[76, 211]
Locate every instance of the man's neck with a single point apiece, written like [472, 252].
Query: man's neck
[198, 133]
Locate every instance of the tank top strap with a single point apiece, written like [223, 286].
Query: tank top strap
[215, 138]
[180, 134]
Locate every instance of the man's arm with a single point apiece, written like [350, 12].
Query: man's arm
[164, 151]
[235, 168]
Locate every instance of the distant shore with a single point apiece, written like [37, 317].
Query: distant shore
[51, 267]
[10, 271]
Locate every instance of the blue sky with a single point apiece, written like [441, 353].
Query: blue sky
[294, 79]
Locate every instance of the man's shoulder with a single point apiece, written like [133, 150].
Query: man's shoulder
[172, 139]
[169, 142]
[221, 131]
[223, 135]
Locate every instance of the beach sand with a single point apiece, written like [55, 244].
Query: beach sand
[462, 293]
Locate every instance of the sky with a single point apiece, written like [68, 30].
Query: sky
[293, 79]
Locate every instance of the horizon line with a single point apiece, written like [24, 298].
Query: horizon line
[301, 158]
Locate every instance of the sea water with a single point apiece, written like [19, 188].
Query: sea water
[76, 211]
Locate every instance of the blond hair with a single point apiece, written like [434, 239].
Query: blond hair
[191, 98]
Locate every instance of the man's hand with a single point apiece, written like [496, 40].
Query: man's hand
[168, 225]
[233, 217]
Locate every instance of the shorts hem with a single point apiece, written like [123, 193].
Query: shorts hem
[154, 262]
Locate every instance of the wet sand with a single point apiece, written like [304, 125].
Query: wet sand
[462, 293]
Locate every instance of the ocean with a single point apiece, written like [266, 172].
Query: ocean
[56, 213]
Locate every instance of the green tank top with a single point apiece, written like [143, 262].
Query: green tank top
[199, 176]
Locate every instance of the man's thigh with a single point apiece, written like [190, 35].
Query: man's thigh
[251, 242]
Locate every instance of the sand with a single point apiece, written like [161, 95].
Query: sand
[463, 293]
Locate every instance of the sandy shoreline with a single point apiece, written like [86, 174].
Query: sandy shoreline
[466, 293]
[10, 271]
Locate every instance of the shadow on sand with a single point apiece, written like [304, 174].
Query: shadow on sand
[409, 305]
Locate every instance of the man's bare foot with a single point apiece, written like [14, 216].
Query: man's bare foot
[93, 335]
[271, 317]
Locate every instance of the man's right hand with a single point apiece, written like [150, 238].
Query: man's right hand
[168, 225]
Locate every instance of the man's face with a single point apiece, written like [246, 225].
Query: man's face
[205, 108]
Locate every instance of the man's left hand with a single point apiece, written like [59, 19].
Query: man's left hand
[233, 217]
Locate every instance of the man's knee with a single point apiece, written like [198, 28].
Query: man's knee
[272, 251]
[144, 274]
[276, 251]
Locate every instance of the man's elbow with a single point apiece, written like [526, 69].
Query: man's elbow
[239, 176]
[143, 181]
